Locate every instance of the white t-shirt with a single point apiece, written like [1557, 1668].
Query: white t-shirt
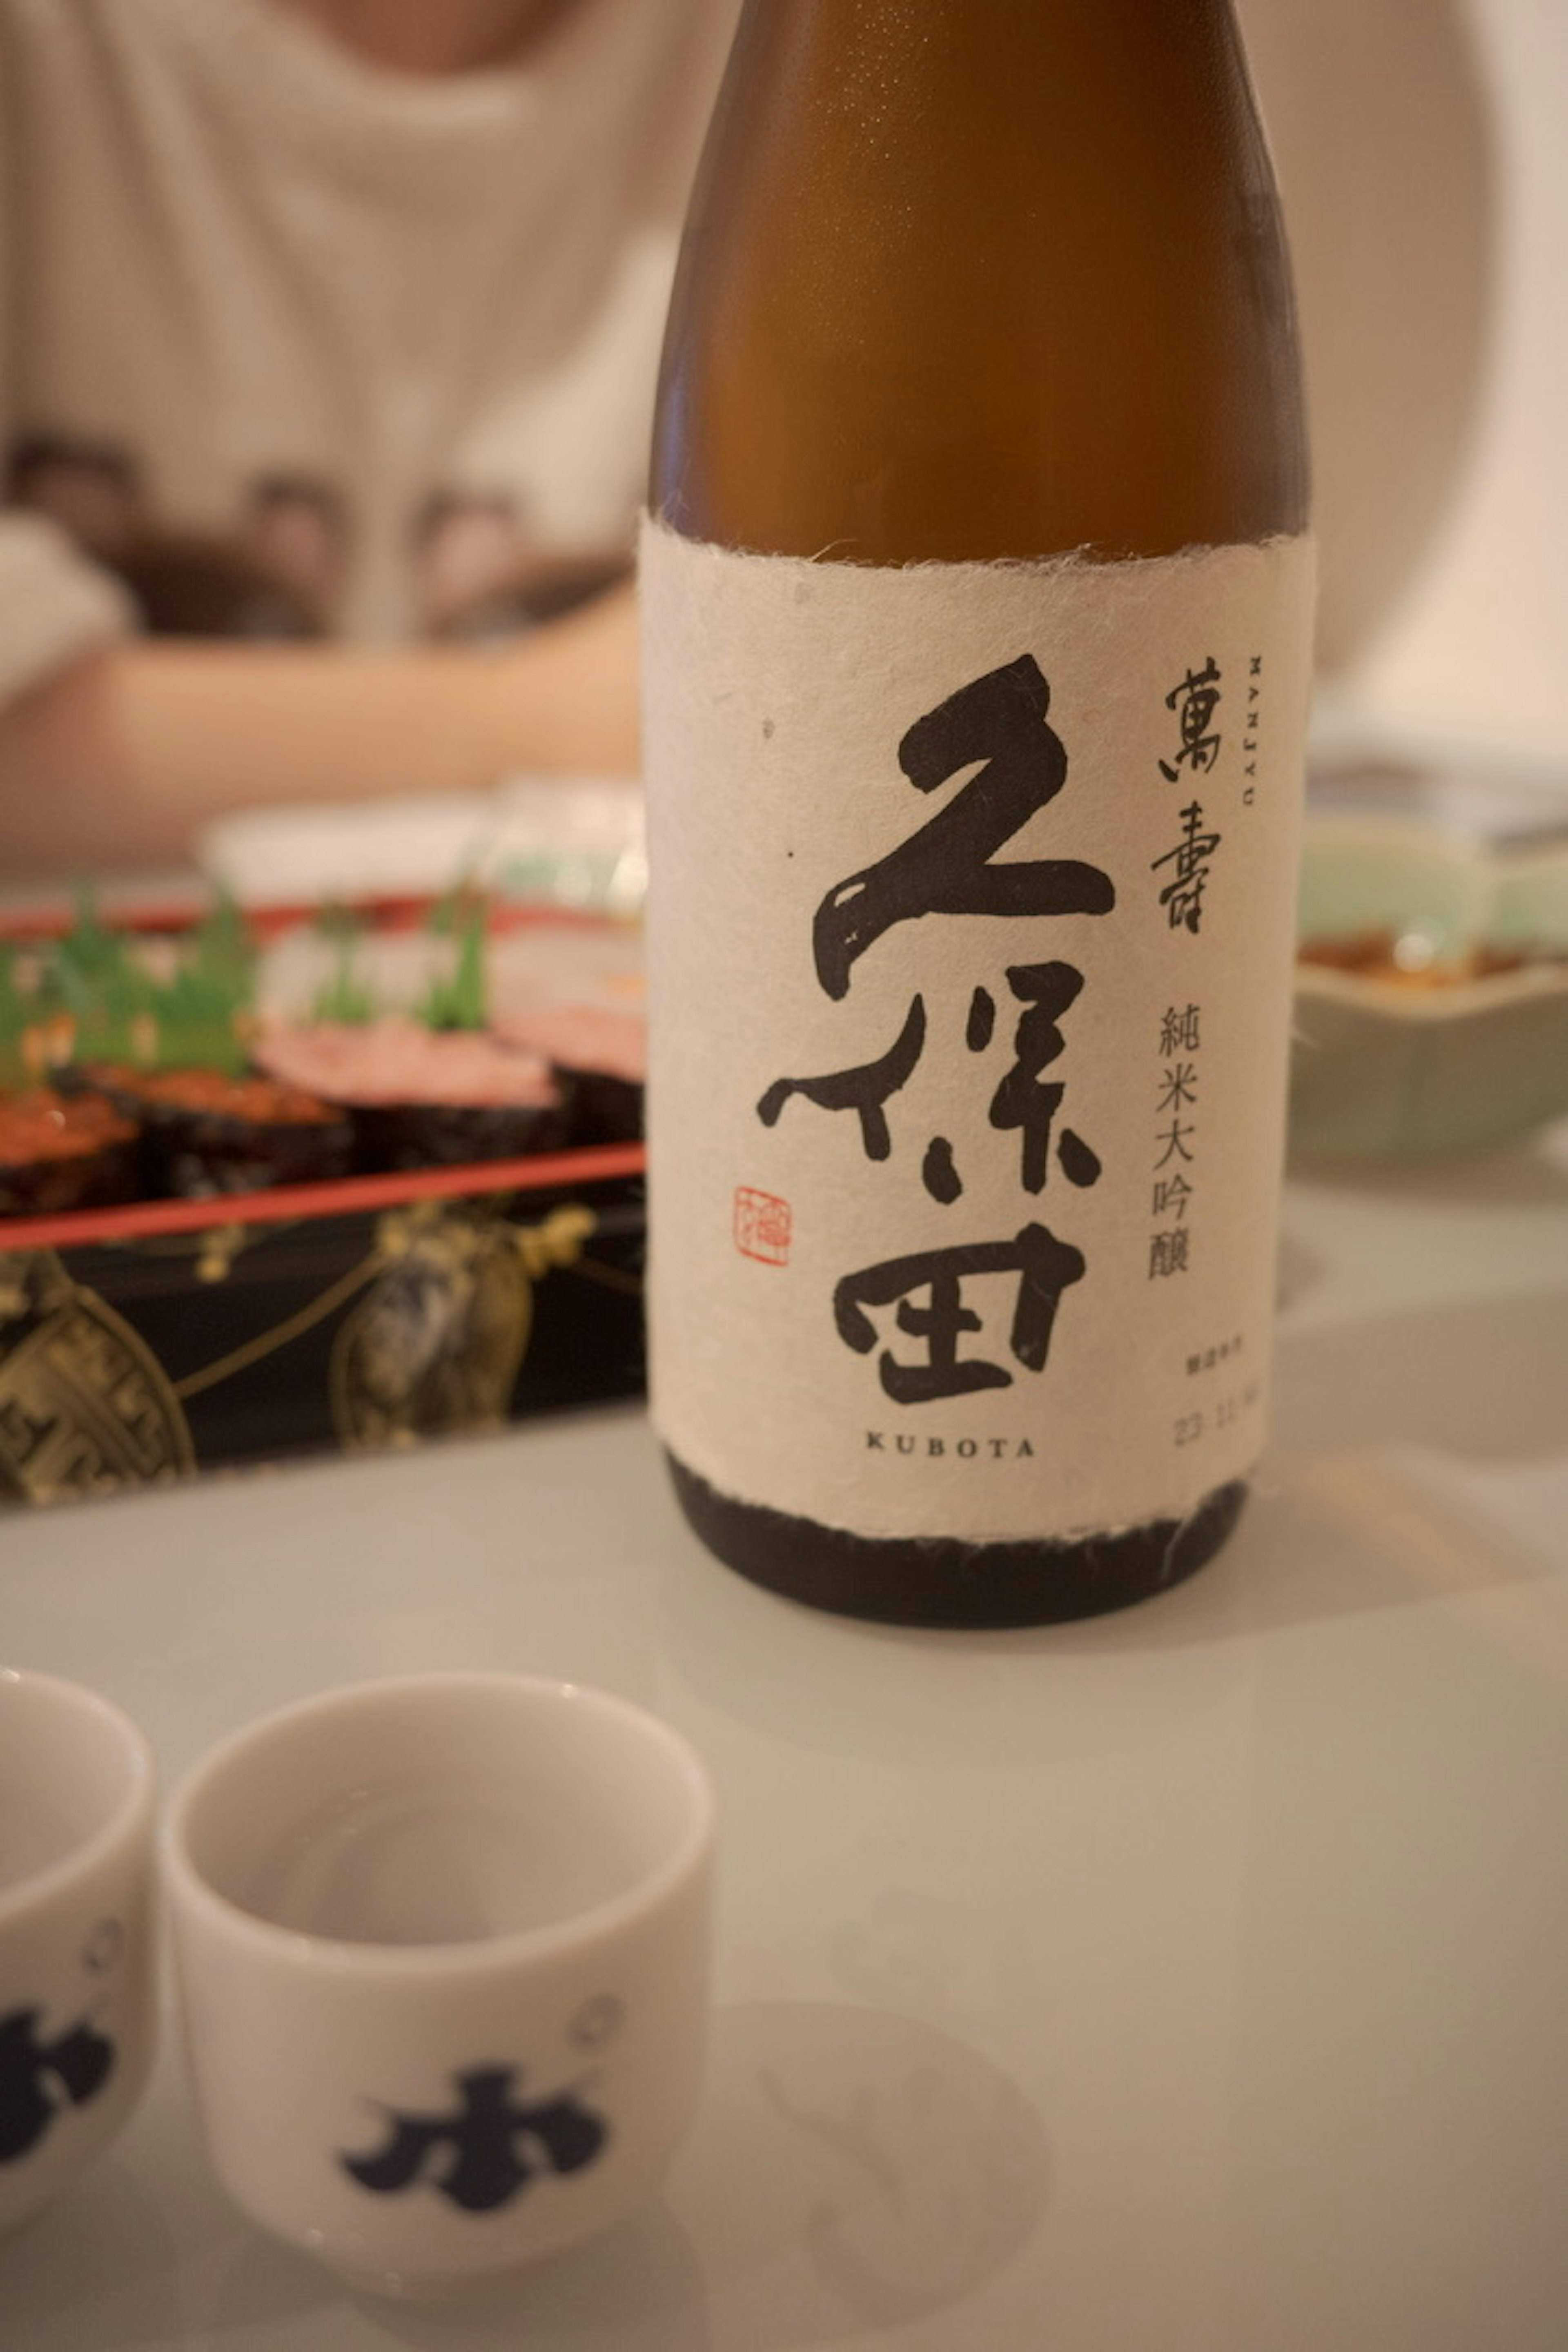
[300, 346]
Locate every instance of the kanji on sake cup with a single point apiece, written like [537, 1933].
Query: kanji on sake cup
[443, 1951]
[76, 2012]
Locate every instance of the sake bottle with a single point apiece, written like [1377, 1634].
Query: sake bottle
[977, 590]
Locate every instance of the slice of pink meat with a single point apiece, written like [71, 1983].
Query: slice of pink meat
[583, 1037]
[401, 1061]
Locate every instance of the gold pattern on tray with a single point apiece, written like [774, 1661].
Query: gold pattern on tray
[280, 1335]
[85, 1406]
[436, 1345]
[220, 1245]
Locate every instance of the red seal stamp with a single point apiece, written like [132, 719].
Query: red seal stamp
[762, 1226]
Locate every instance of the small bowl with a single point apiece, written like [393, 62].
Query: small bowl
[1430, 1051]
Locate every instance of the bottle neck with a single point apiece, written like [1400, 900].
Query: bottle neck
[1021, 262]
[1073, 56]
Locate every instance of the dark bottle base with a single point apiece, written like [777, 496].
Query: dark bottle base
[946, 1582]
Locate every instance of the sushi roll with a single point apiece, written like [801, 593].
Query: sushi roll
[204, 1135]
[601, 1054]
[61, 1151]
[424, 1098]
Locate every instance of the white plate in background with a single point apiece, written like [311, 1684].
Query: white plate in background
[563, 841]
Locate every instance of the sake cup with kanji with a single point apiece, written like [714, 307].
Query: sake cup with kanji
[442, 1945]
[77, 2008]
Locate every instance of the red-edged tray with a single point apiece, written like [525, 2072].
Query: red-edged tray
[147, 1343]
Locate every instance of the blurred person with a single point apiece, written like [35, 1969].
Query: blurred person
[328, 338]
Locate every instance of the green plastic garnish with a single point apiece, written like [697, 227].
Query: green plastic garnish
[458, 999]
[202, 1011]
[344, 997]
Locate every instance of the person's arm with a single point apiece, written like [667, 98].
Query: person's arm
[121, 757]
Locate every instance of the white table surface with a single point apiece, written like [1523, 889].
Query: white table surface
[1191, 1980]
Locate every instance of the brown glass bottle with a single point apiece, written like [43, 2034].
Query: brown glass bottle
[970, 282]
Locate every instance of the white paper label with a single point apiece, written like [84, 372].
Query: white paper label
[970, 924]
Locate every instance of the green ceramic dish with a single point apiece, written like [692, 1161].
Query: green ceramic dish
[1397, 1067]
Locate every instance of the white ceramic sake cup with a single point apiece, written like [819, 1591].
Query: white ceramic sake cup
[442, 1946]
[77, 2015]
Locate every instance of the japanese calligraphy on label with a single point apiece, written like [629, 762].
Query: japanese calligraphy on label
[970, 940]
